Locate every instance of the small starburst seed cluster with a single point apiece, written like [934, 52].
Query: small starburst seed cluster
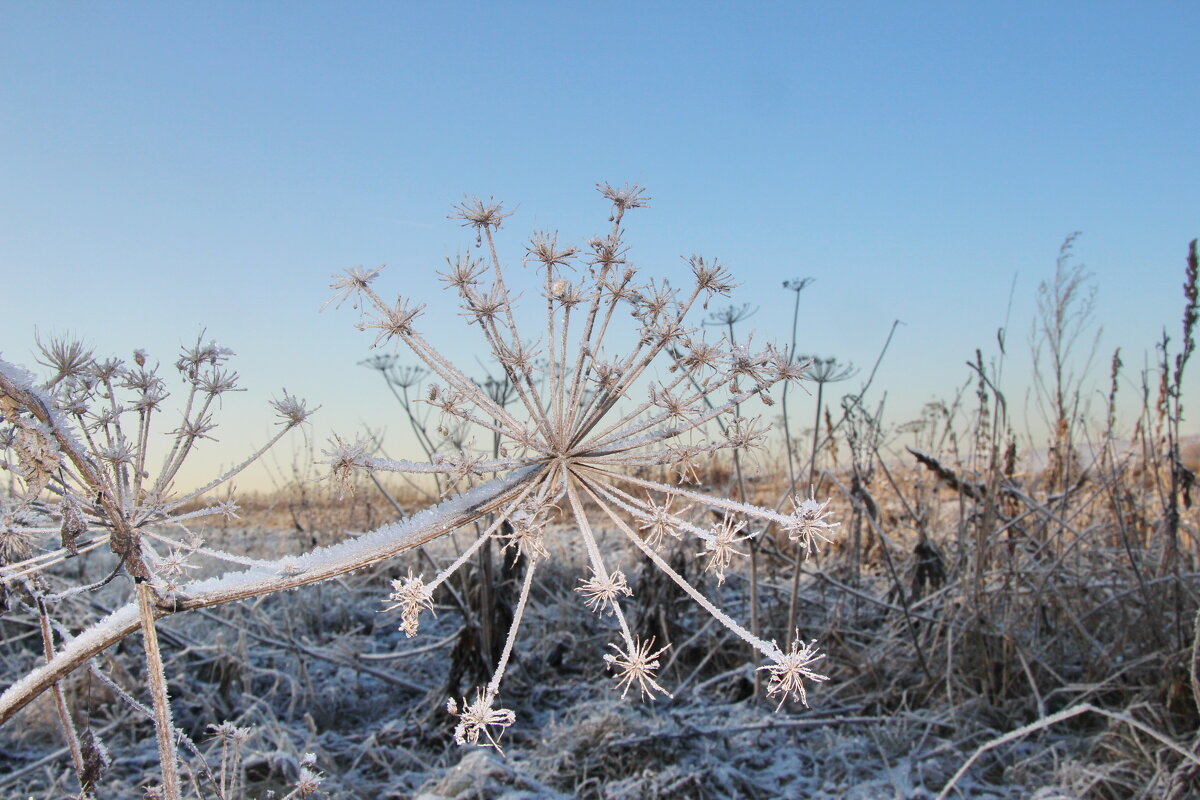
[590, 420]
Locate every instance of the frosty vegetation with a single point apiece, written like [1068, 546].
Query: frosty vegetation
[593, 424]
[603, 575]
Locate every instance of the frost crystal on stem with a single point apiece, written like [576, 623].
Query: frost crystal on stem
[587, 427]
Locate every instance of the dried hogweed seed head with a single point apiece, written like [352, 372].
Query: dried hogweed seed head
[463, 272]
[216, 381]
[350, 284]
[561, 429]
[15, 544]
[174, 565]
[392, 321]
[411, 597]
[720, 548]
[792, 669]
[475, 719]
[807, 525]
[308, 782]
[602, 593]
[230, 733]
[711, 278]
[660, 522]
[637, 664]
[344, 458]
[227, 508]
[69, 358]
[742, 433]
[527, 524]
[480, 215]
[628, 196]
[543, 247]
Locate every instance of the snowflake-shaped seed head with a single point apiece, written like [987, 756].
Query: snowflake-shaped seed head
[479, 215]
[229, 733]
[626, 197]
[308, 782]
[637, 665]
[791, 670]
[544, 248]
[351, 283]
[602, 593]
[808, 526]
[344, 458]
[391, 321]
[174, 565]
[528, 533]
[475, 719]
[660, 522]
[410, 596]
[293, 410]
[721, 549]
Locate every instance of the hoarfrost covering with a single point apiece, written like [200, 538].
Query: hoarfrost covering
[283, 573]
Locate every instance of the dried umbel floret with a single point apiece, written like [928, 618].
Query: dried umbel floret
[661, 522]
[528, 526]
[411, 597]
[575, 431]
[636, 664]
[808, 525]
[293, 410]
[477, 718]
[344, 458]
[15, 543]
[792, 669]
[602, 592]
[229, 733]
[308, 782]
[721, 548]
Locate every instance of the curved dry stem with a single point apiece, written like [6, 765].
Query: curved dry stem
[316, 565]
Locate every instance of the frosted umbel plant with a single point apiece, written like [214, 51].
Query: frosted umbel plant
[593, 422]
[83, 445]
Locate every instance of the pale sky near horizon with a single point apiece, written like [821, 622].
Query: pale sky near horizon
[173, 167]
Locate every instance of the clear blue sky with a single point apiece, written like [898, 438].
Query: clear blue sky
[176, 166]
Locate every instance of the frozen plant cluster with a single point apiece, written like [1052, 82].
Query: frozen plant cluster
[83, 447]
[593, 422]
[86, 439]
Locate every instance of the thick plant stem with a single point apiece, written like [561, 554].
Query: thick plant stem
[60, 700]
[157, 679]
